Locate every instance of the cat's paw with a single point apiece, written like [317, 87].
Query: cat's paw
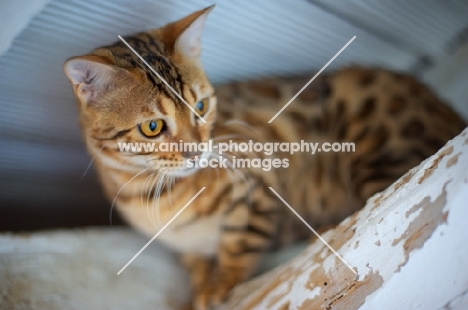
[211, 295]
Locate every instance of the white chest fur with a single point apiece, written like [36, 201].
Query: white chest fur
[200, 236]
[184, 235]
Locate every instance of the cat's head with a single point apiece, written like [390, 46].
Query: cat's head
[122, 100]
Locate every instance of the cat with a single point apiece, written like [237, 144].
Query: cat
[394, 121]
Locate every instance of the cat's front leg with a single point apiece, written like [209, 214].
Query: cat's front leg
[247, 232]
[231, 268]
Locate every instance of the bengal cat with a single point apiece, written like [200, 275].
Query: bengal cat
[394, 121]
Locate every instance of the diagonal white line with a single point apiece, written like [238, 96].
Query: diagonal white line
[160, 77]
[162, 229]
[313, 230]
[324, 67]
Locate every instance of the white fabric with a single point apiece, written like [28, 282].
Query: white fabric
[77, 269]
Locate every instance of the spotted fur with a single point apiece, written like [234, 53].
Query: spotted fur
[395, 121]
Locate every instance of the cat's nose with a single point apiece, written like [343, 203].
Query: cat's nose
[191, 155]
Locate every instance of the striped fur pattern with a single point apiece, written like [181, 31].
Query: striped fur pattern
[395, 121]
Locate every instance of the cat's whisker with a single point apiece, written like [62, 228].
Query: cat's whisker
[148, 195]
[237, 122]
[158, 192]
[146, 186]
[121, 188]
[169, 189]
[159, 189]
[148, 204]
[91, 163]
[156, 196]
[242, 123]
[232, 122]
[153, 159]
[133, 154]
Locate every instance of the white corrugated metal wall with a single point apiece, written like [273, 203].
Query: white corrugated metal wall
[41, 153]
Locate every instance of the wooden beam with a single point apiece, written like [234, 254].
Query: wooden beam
[409, 246]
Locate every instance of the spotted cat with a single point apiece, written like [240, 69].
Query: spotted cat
[393, 120]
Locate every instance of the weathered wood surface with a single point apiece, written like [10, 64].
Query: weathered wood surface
[409, 246]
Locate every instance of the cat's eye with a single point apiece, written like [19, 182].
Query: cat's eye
[202, 106]
[152, 127]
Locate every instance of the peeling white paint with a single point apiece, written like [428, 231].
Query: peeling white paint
[434, 272]
[428, 275]
[299, 287]
[269, 302]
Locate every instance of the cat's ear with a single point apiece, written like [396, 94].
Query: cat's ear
[91, 76]
[187, 33]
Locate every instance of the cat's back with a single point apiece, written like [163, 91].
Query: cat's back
[341, 101]
[393, 120]
[399, 100]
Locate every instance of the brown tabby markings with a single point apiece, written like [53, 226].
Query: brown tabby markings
[394, 121]
[397, 105]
